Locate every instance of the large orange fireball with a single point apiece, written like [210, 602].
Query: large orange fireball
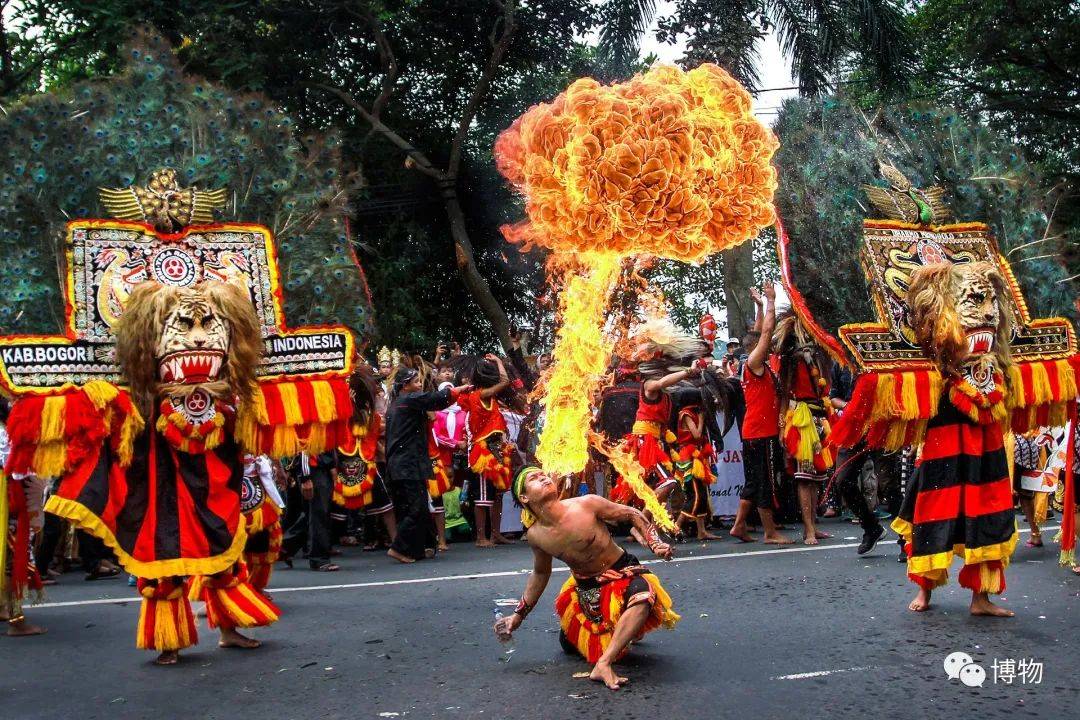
[670, 163]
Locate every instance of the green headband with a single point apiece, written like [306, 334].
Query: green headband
[518, 487]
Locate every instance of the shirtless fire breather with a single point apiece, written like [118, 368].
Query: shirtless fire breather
[610, 599]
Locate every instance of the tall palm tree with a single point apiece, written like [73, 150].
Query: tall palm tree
[820, 36]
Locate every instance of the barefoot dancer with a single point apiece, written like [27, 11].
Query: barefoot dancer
[804, 397]
[18, 574]
[762, 457]
[694, 463]
[489, 447]
[609, 600]
[959, 499]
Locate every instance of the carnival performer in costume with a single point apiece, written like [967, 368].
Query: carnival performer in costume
[190, 352]
[694, 462]
[953, 361]
[358, 484]
[447, 440]
[806, 409]
[610, 599]
[408, 461]
[653, 351]
[262, 505]
[18, 572]
[490, 450]
[159, 387]
[959, 499]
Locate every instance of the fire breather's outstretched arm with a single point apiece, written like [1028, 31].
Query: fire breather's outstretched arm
[534, 589]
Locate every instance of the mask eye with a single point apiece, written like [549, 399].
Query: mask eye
[185, 323]
[978, 298]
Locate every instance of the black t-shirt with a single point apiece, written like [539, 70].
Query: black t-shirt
[407, 427]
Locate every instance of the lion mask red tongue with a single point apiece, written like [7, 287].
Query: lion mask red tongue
[190, 367]
[980, 341]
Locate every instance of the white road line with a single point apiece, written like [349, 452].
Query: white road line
[822, 673]
[477, 576]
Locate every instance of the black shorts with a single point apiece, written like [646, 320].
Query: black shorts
[380, 498]
[435, 505]
[481, 492]
[763, 462]
[637, 590]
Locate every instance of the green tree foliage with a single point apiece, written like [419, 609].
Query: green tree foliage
[829, 148]
[820, 36]
[62, 146]
[414, 65]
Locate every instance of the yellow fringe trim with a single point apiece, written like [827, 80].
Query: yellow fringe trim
[325, 402]
[153, 570]
[170, 628]
[926, 565]
[801, 419]
[668, 617]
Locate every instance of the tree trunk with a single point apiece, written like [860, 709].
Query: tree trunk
[466, 264]
[738, 279]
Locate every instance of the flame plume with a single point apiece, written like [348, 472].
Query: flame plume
[670, 164]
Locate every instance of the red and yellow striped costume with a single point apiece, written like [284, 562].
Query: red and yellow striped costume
[357, 469]
[442, 470]
[264, 542]
[589, 608]
[489, 453]
[960, 499]
[694, 466]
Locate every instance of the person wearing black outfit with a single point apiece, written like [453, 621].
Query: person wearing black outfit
[311, 529]
[849, 464]
[408, 463]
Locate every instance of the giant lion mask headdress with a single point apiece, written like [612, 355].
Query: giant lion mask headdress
[172, 339]
[957, 314]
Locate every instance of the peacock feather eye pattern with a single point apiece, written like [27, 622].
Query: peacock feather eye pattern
[61, 147]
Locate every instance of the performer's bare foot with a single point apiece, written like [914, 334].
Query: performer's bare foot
[822, 535]
[500, 539]
[810, 540]
[21, 628]
[484, 544]
[778, 539]
[602, 672]
[429, 553]
[709, 536]
[232, 639]
[169, 657]
[921, 603]
[740, 533]
[399, 557]
[444, 547]
[981, 605]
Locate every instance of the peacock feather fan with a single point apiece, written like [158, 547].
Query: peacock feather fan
[61, 147]
[830, 149]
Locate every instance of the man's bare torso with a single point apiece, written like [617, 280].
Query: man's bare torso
[580, 539]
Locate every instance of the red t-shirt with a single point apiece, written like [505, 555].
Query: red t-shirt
[657, 411]
[762, 418]
[485, 418]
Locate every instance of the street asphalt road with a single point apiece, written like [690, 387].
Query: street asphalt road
[766, 633]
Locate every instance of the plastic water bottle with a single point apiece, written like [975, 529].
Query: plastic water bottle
[506, 639]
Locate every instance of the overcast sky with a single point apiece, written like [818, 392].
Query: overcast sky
[775, 70]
